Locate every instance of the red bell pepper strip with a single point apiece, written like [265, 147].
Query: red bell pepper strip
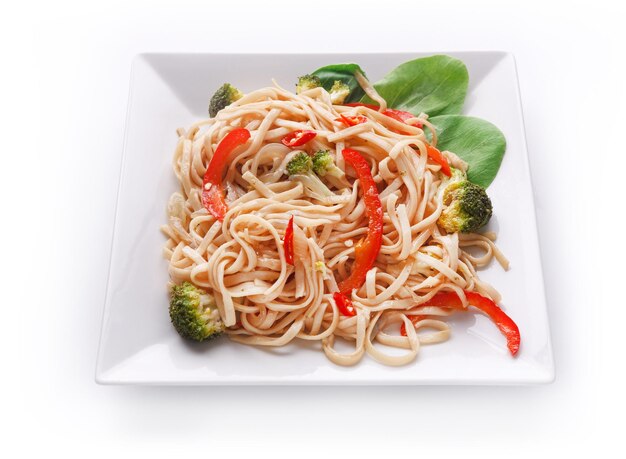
[288, 242]
[366, 250]
[212, 189]
[401, 116]
[351, 120]
[344, 304]
[504, 323]
[398, 115]
[298, 138]
[414, 319]
[437, 157]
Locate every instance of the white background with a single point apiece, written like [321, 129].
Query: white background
[65, 75]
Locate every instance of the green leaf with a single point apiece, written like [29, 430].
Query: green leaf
[343, 72]
[435, 85]
[476, 141]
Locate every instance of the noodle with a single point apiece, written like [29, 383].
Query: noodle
[267, 302]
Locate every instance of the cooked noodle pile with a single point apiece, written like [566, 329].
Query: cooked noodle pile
[241, 261]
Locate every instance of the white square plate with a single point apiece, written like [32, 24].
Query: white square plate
[138, 344]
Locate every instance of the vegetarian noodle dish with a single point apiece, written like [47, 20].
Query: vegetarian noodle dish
[336, 209]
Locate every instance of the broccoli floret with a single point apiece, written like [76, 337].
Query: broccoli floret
[224, 96]
[307, 82]
[300, 164]
[323, 164]
[338, 92]
[193, 313]
[467, 206]
[301, 168]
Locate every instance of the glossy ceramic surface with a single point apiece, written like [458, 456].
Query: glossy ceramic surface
[138, 344]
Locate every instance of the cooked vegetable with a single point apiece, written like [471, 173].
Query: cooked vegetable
[329, 74]
[307, 82]
[366, 250]
[344, 304]
[298, 138]
[398, 115]
[224, 96]
[299, 164]
[414, 320]
[504, 323]
[435, 155]
[324, 164]
[212, 189]
[301, 168]
[288, 242]
[194, 314]
[467, 206]
[338, 92]
[350, 121]
[402, 116]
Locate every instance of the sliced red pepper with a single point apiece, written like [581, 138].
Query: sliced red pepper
[398, 115]
[212, 189]
[401, 116]
[504, 323]
[436, 156]
[366, 250]
[414, 319]
[351, 120]
[298, 138]
[288, 242]
[344, 304]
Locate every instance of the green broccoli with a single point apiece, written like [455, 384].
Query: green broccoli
[338, 92]
[301, 168]
[307, 82]
[467, 206]
[224, 96]
[299, 164]
[193, 313]
[324, 164]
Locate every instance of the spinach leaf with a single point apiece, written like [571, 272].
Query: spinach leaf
[435, 85]
[478, 142]
[343, 72]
